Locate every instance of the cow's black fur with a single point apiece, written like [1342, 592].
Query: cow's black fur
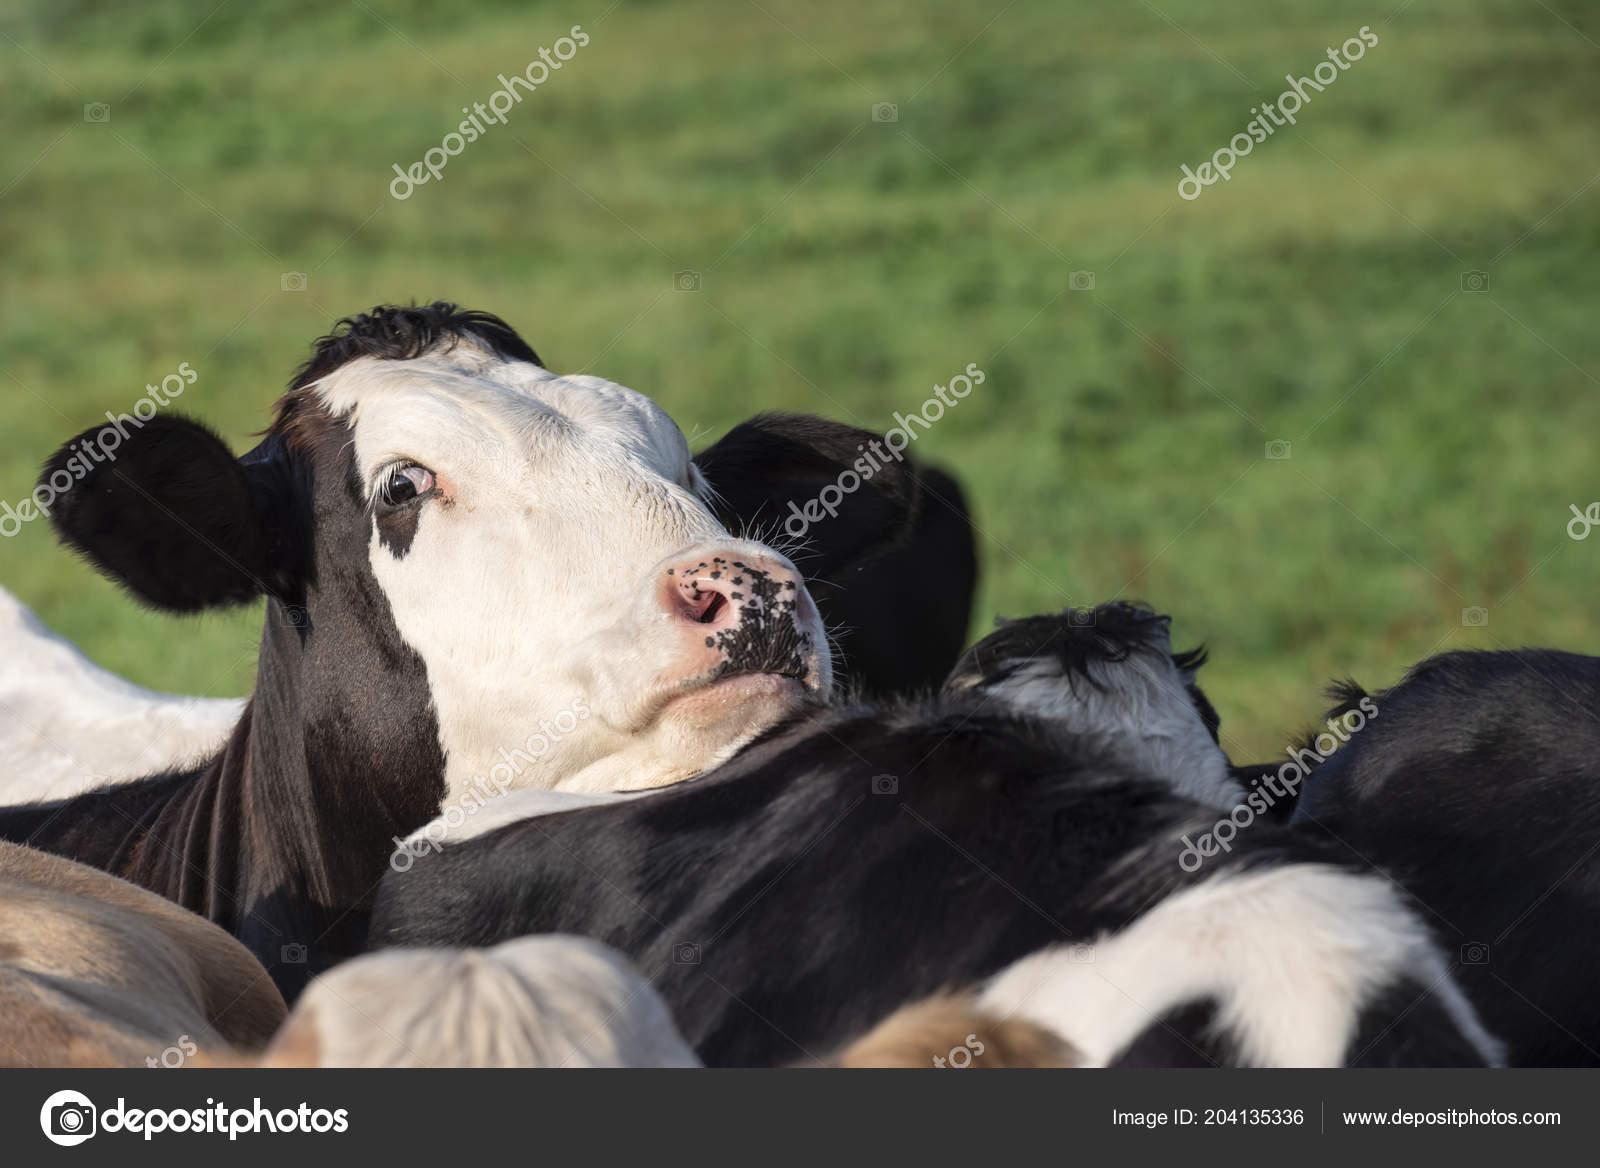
[396, 333]
[1477, 787]
[1285, 791]
[844, 865]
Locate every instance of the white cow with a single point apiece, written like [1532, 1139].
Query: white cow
[68, 726]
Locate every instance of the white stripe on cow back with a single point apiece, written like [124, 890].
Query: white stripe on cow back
[1289, 956]
[453, 826]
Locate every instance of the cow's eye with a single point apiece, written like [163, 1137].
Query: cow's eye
[406, 483]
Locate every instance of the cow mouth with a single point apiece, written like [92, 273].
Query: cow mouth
[705, 692]
[727, 676]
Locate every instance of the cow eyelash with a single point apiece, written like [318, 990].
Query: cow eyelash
[403, 483]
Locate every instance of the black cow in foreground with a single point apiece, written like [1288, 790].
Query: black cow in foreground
[1477, 788]
[1019, 835]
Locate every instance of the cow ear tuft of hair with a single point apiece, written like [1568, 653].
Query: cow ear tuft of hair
[163, 508]
[830, 492]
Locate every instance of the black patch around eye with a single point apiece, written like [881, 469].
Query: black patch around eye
[397, 506]
[397, 528]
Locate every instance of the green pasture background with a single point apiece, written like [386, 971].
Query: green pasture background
[1436, 436]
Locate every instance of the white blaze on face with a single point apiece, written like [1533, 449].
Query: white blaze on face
[528, 582]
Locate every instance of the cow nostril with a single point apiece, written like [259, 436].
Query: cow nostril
[710, 613]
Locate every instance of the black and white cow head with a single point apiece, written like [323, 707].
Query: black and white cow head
[472, 562]
[1109, 673]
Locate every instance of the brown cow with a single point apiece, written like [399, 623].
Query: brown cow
[96, 972]
[953, 1030]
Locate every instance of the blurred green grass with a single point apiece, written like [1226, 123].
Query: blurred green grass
[1118, 446]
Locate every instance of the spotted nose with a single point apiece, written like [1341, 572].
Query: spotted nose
[753, 608]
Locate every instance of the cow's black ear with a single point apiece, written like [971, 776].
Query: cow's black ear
[163, 508]
[833, 493]
[885, 544]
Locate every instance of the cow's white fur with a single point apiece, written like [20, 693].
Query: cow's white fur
[512, 807]
[1289, 956]
[544, 1001]
[529, 589]
[1138, 708]
[68, 726]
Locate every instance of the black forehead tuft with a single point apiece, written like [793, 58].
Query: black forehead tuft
[400, 333]
[1075, 639]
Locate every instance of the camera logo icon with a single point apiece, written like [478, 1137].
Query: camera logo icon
[688, 280]
[885, 111]
[686, 953]
[885, 785]
[67, 1118]
[1080, 282]
[97, 112]
[1080, 618]
[292, 282]
[1474, 281]
[1279, 448]
[293, 953]
[1474, 953]
[1476, 617]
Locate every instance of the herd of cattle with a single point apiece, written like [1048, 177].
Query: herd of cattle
[551, 761]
